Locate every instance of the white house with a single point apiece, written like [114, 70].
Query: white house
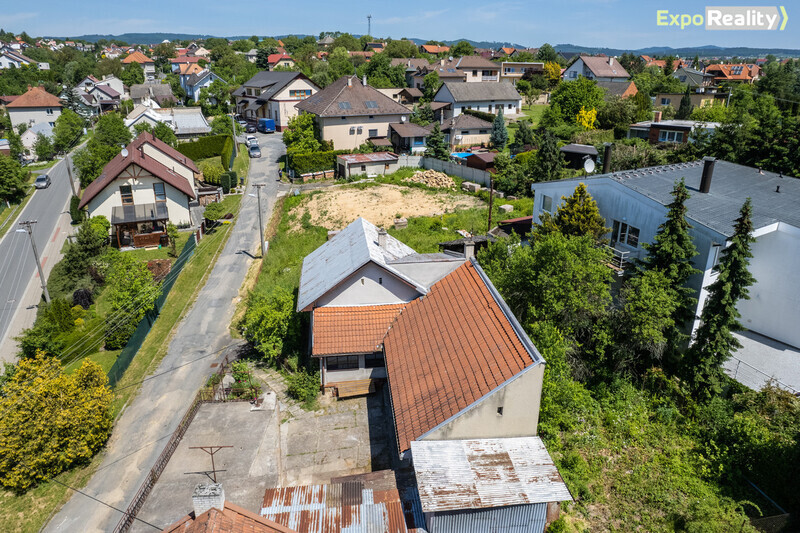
[273, 95]
[143, 188]
[596, 68]
[36, 106]
[634, 205]
[186, 122]
[13, 58]
[488, 97]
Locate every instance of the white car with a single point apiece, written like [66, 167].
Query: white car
[251, 140]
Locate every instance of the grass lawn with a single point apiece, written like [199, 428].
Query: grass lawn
[7, 214]
[41, 166]
[161, 253]
[242, 162]
[534, 112]
[104, 359]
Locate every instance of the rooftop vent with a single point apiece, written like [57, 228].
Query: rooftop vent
[708, 173]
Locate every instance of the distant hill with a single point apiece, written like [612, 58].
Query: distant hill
[702, 51]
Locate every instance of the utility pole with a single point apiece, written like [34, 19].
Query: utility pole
[69, 173]
[235, 144]
[27, 225]
[260, 221]
[491, 198]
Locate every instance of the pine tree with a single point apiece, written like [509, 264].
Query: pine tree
[437, 146]
[549, 160]
[499, 136]
[577, 216]
[686, 107]
[671, 253]
[714, 341]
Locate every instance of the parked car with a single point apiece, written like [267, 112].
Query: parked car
[266, 125]
[255, 151]
[251, 140]
[250, 128]
[42, 182]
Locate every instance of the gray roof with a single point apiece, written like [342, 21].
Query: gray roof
[481, 91]
[462, 122]
[614, 88]
[688, 125]
[731, 184]
[189, 121]
[356, 99]
[693, 77]
[353, 247]
[156, 90]
[406, 130]
[579, 149]
[455, 475]
[270, 83]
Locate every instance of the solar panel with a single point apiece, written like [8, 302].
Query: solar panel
[371, 104]
[344, 105]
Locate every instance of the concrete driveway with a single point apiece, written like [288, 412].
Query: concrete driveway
[202, 338]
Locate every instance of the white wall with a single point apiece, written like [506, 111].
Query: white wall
[141, 183]
[337, 129]
[369, 285]
[281, 105]
[33, 115]
[164, 159]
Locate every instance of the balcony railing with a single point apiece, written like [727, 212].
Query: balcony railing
[621, 260]
[488, 78]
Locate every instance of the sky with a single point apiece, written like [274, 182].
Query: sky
[602, 23]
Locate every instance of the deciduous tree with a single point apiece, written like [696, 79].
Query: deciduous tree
[67, 131]
[12, 179]
[301, 135]
[131, 293]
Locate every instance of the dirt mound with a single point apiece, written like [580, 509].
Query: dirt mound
[431, 178]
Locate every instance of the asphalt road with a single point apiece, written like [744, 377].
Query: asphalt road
[202, 338]
[17, 265]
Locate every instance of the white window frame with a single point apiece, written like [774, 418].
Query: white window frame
[621, 234]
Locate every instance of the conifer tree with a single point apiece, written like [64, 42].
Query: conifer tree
[549, 161]
[714, 341]
[499, 136]
[686, 107]
[577, 216]
[437, 146]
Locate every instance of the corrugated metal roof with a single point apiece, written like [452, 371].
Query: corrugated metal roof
[530, 518]
[374, 157]
[475, 474]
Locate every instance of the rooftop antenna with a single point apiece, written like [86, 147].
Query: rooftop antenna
[369, 24]
[211, 450]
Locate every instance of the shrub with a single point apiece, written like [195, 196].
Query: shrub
[227, 153]
[212, 171]
[204, 147]
[74, 212]
[214, 211]
[228, 181]
[315, 161]
[268, 322]
[83, 298]
[303, 386]
[488, 117]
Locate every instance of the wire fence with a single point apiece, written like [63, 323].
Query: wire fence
[752, 377]
[143, 328]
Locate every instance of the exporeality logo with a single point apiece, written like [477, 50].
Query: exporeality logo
[728, 18]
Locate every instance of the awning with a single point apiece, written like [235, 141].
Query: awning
[130, 214]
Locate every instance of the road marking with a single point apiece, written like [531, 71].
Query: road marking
[55, 234]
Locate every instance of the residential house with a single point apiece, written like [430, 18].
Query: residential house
[518, 51]
[444, 68]
[193, 83]
[367, 55]
[431, 325]
[349, 112]
[201, 52]
[280, 60]
[734, 73]
[35, 106]
[325, 41]
[477, 69]
[408, 138]
[669, 131]
[115, 83]
[488, 97]
[176, 62]
[408, 96]
[143, 188]
[488, 53]
[186, 122]
[433, 49]
[465, 130]
[5, 147]
[695, 79]
[148, 65]
[597, 68]
[412, 65]
[251, 55]
[30, 135]
[614, 88]
[372, 164]
[375, 47]
[501, 485]
[273, 95]
[512, 71]
[13, 58]
[87, 83]
[634, 203]
[105, 97]
[151, 93]
[507, 50]
[698, 99]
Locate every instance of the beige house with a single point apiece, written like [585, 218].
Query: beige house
[36, 106]
[349, 112]
[513, 71]
[273, 95]
[698, 99]
[143, 188]
[466, 130]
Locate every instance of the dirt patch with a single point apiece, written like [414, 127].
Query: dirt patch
[336, 208]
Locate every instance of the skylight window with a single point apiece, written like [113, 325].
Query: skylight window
[344, 105]
[371, 104]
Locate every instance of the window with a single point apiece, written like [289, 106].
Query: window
[373, 133]
[344, 362]
[573, 74]
[161, 194]
[487, 73]
[300, 93]
[127, 194]
[464, 132]
[374, 360]
[419, 141]
[49, 111]
[371, 104]
[483, 132]
[511, 106]
[344, 105]
[360, 130]
[715, 251]
[490, 108]
[682, 79]
[547, 203]
[665, 101]
[474, 72]
[670, 136]
[352, 130]
[363, 168]
[625, 234]
[500, 411]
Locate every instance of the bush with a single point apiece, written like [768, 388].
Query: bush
[214, 211]
[488, 117]
[74, 211]
[212, 171]
[204, 147]
[228, 181]
[303, 386]
[269, 322]
[82, 297]
[314, 161]
[227, 153]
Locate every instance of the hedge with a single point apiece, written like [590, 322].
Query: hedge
[227, 153]
[228, 181]
[488, 117]
[314, 161]
[204, 147]
[74, 212]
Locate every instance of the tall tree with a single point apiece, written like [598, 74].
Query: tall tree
[714, 342]
[437, 146]
[547, 54]
[571, 96]
[43, 147]
[163, 132]
[499, 135]
[430, 86]
[132, 74]
[524, 138]
[462, 48]
[422, 115]
[686, 107]
[12, 179]
[576, 216]
[67, 131]
[549, 160]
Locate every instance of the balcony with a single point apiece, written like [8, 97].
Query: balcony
[489, 78]
[620, 260]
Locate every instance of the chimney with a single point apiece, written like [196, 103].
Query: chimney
[778, 188]
[205, 497]
[364, 80]
[349, 81]
[657, 116]
[610, 61]
[469, 249]
[607, 158]
[382, 238]
[708, 172]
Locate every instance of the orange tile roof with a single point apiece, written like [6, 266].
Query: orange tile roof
[138, 57]
[232, 519]
[190, 68]
[743, 72]
[447, 350]
[351, 330]
[435, 49]
[36, 97]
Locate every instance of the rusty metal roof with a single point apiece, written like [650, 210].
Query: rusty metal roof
[477, 474]
[374, 157]
[340, 507]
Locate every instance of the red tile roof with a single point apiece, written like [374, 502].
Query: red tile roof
[274, 58]
[137, 57]
[115, 167]
[185, 59]
[734, 72]
[232, 519]
[351, 330]
[447, 350]
[434, 49]
[36, 97]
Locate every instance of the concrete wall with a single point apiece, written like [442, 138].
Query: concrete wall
[337, 129]
[462, 171]
[519, 400]
[369, 285]
[141, 183]
[376, 168]
[33, 115]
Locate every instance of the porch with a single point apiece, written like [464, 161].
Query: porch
[140, 225]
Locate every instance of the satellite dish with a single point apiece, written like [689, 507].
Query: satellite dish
[588, 165]
[124, 152]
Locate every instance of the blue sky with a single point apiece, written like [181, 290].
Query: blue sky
[613, 23]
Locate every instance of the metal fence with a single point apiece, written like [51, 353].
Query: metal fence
[143, 328]
[751, 377]
[454, 169]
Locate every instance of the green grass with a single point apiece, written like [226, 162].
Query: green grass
[43, 165]
[534, 112]
[104, 359]
[143, 254]
[8, 214]
[242, 162]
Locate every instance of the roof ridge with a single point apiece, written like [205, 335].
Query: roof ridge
[345, 84]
